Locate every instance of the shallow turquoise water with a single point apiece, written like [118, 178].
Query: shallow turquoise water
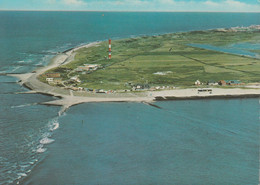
[122, 143]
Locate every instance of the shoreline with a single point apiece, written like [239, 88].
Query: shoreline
[68, 99]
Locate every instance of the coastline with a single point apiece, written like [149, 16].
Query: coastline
[68, 98]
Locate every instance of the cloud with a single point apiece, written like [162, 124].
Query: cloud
[74, 2]
[233, 3]
[210, 3]
[227, 3]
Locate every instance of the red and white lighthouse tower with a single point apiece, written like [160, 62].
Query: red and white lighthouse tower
[109, 49]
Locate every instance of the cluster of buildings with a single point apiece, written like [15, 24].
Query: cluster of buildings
[145, 86]
[239, 29]
[221, 82]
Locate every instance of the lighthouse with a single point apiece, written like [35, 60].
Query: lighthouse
[109, 48]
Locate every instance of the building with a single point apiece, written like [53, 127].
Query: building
[222, 82]
[197, 82]
[233, 82]
[49, 80]
[140, 87]
[54, 80]
[230, 82]
[81, 89]
[212, 82]
[75, 79]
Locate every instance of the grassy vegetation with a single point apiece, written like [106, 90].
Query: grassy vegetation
[137, 59]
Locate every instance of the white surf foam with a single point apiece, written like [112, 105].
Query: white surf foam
[15, 69]
[55, 126]
[24, 61]
[46, 140]
[24, 166]
[25, 105]
[41, 150]
[22, 174]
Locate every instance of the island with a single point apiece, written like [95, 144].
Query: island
[218, 63]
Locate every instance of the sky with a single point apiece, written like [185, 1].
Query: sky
[134, 5]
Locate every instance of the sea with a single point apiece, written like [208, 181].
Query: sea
[211, 142]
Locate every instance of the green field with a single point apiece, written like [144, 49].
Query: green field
[136, 60]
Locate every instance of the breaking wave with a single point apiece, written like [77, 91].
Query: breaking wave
[25, 105]
[46, 140]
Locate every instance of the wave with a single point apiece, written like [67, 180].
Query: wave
[54, 126]
[46, 140]
[22, 174]
[25, 61]
[34, 161]
[24, 166]
[41, 150]
[15, 69]
[21, 170]
[25, 105]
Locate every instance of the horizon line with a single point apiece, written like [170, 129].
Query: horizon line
[159, 11]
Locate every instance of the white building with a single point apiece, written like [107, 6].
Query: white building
[49, 79]
[197, 82]
[75, 78]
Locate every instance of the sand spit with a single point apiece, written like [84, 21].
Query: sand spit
[68, 98]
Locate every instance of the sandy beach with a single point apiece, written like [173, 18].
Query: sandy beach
[69, 98]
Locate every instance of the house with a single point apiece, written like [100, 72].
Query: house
[197, 82]
[81, 89]
[230, 82]
[49, 80]
[222, 82]
[75, 79]
[100, 91]
[212, 82]
[140, 87]
[233, 82]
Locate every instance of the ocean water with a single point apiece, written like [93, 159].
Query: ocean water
[185, 142]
